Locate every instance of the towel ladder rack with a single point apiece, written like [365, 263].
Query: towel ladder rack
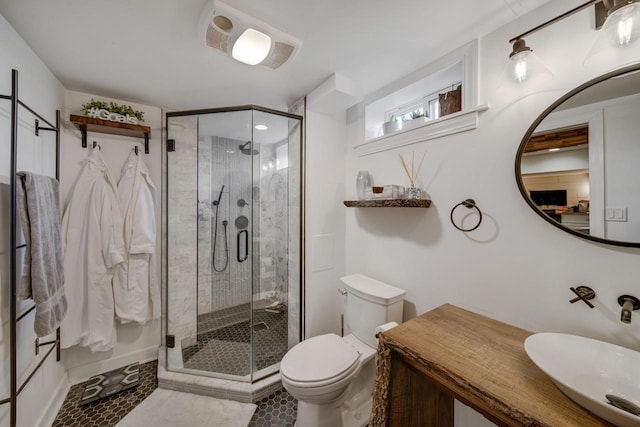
[14, 387]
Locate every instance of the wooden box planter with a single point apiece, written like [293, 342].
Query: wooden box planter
[450, 102]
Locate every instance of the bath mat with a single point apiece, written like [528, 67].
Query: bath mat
[110, 383]
[168, 408]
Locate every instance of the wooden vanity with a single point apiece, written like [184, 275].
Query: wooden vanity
[450, 353]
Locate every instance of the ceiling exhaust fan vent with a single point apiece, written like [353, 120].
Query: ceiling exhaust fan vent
[217, 39]
[280, 53]
[222, 25]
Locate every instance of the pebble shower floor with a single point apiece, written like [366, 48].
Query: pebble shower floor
[279, 409]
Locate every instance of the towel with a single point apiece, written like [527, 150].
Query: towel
[42, 271]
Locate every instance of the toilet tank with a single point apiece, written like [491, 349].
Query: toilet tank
[370, 303]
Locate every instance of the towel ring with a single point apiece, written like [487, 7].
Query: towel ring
[470, 204]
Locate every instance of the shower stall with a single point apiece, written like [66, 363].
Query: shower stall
[233, 266]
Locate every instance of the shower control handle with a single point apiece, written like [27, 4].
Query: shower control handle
[246, 245]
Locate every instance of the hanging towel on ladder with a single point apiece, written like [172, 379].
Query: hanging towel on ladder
[135, 285]
[42, 268]
[92, 244]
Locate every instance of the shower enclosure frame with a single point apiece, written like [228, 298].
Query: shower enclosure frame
[168, 340]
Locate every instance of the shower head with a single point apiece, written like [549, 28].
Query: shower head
[249, 151]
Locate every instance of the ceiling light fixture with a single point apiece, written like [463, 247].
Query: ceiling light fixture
[621, 19]
[554, 149]
[244, 37]
[261, 127]
[252, 47]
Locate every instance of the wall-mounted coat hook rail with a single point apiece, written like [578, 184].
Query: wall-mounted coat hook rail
[88, 124]
[469, 204]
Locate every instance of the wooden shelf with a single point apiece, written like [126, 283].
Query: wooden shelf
[395, 203]
[88, 124]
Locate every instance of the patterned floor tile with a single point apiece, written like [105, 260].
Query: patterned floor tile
[277, 410]
[227, 349]
[110, 410]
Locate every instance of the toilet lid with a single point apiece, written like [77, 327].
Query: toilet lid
[318, 359]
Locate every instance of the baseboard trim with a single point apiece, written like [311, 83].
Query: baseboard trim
[82, 373]
[55, 402]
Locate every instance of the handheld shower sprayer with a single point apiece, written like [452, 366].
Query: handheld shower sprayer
[217, 202]
[214, 245]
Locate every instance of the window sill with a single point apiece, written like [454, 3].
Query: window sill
[447, 125]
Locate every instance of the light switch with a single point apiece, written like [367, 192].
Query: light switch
[616, 214]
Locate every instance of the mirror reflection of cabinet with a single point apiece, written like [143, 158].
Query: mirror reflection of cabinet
[577, 221]
[587, 144]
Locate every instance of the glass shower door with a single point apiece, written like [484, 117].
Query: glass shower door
[276, 239]
[233, 246]
[224, 229]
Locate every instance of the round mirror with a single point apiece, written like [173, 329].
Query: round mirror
[578, 165]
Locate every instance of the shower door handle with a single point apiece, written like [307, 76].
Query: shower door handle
[246, 245]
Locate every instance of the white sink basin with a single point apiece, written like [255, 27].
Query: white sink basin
[587, 370]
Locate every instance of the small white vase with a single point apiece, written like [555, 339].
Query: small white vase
[363, 181]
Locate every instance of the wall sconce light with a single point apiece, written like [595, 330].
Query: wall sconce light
[620, 27]
[523, 63]
[620, 22]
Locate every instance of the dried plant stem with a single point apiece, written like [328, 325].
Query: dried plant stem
[420, 165]
[406, 169]
[413, 175]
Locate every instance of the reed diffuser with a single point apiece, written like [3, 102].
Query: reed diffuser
[413, 192]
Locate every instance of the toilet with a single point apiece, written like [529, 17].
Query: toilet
[332, 376]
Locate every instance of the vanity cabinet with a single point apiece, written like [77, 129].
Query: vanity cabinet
[450, 353]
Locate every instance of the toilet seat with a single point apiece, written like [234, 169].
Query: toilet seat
[320, 360]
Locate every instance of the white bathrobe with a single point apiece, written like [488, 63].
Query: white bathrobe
[135, 285]
[92, 245]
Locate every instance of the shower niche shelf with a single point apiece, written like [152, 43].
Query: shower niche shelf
[88, 124]
[393, 203]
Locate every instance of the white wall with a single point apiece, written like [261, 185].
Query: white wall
[516, 267]
[134, 343]
[41, 91]
[325, 220]
[622, 174]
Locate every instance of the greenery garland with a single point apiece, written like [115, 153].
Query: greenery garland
[112, 107]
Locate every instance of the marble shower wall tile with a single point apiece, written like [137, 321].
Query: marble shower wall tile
[205, 224]
[231, 168]
[296, 142]
[182, 228]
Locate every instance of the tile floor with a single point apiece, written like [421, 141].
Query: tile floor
[224, 341]
[110, 410]
[277, 410]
